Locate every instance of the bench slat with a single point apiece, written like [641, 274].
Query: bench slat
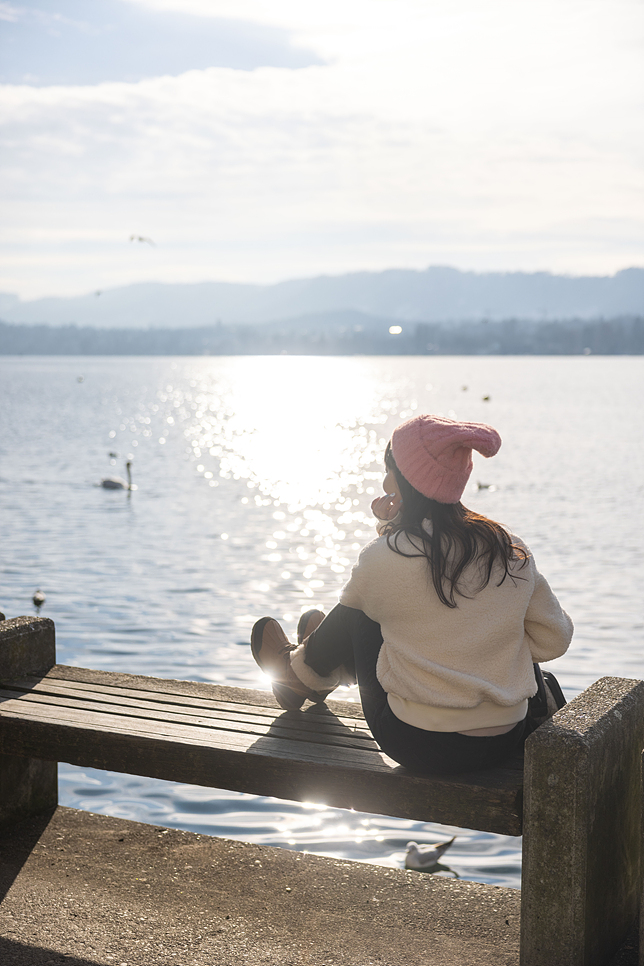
[223, 711]
[211, 692]
[239, 739]
[97, 720]
[148, 714]
[270, 766]
[151, 694]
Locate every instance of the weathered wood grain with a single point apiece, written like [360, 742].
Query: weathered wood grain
[300, 771]
[220, 737]
[159, 717]
[95, 720]
[323, 721]
[348, 709]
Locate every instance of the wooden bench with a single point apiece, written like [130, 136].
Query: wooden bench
[576, 799]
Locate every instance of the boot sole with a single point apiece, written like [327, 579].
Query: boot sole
[256, 639]
[287, 698]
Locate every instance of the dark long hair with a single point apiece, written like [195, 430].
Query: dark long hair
[458, 538]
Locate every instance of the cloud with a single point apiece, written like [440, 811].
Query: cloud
[72, 42]
[467, 139]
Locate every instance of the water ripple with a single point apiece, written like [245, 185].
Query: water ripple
[254, 485]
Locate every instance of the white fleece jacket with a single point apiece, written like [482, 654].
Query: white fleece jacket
[455, 669]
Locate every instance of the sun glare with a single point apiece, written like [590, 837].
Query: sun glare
[288, 434]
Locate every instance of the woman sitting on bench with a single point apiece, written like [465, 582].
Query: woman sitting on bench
[442, 619]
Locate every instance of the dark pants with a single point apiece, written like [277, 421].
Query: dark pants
[348, 637]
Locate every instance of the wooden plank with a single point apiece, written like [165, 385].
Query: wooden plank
[267, 742]
[56, 686]
[268, 766]
[248, 696]
[215, 738]
[12, 701]
[283, 766]
[322, 721]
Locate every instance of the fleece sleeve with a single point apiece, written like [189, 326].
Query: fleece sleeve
[356, 591]
[547, 626]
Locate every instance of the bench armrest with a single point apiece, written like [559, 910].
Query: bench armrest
[27, 646]
[582, 827]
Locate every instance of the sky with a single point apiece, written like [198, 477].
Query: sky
[257, 141]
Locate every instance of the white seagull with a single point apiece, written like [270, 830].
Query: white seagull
[38, 599]
[423, 858]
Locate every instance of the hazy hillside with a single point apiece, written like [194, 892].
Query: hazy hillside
[436, 294]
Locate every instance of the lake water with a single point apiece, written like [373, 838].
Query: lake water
[254, 478]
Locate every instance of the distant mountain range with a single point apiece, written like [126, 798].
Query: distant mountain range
[396, 295]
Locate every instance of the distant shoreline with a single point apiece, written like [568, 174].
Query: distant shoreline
[621, 335]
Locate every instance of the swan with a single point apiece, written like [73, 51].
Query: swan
[116, 483]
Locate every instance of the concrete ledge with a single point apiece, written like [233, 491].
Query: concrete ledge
[582, 827]
[27, 646]
[101, 890]
[27, 785]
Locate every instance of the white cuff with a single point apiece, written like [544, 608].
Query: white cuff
[381, 524]
[308, 676]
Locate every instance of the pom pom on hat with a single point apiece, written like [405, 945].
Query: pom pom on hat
[434, 453]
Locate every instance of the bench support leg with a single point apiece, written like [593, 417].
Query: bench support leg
[641, 929]
[27, 785]
[582, 828]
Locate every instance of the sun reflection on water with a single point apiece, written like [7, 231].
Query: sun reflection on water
[287, 433]
[304, 437]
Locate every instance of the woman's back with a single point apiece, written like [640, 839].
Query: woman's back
[442, 617]
[455, 657]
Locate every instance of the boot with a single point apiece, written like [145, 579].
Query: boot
[272, 649]
[308, 622]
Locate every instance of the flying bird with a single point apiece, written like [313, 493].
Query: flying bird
[140, 238]
[424, 858]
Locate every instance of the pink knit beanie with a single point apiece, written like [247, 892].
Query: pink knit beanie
[434, 453]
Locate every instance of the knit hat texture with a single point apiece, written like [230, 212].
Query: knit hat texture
[434, 453]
